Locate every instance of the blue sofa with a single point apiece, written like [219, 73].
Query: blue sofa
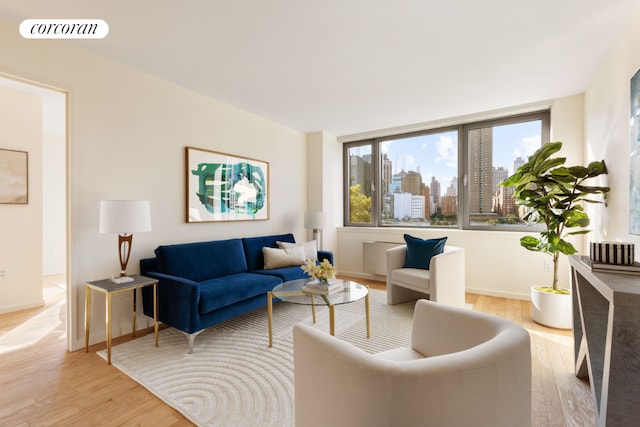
[204, 283]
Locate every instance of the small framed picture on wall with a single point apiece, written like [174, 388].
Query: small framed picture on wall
[14, 177]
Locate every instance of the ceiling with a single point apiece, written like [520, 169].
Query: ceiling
[351, 66]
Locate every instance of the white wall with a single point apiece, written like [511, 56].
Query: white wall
[324, 184]
[21, 225]
[607, 131]
[496, 264]
[54, 184]
[127, 136]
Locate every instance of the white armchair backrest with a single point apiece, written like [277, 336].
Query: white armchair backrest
[487, 381]
[442, 329]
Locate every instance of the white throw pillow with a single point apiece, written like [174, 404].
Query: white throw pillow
[278, 258]
[310, 248]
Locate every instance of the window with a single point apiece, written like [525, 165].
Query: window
[442, 178]
[360, 184]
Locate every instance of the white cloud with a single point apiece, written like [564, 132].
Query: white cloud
[527, 146]
[447, 151]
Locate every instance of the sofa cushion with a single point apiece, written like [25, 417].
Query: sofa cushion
[224, 291]
[278, 258]
[310, 248]
[203, 260]
[420, 251]
[253, 248]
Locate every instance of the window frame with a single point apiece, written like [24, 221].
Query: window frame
[464, 222]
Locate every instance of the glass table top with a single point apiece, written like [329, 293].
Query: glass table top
[292, 292]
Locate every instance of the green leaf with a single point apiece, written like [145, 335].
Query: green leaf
[578, 171]
[566, 247]
[530, 243]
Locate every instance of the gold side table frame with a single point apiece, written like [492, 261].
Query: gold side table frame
[294, 294]
[110, 288]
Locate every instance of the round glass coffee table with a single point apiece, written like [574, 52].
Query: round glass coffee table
[292, 292]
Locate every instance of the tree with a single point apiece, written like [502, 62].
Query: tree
[360, 205]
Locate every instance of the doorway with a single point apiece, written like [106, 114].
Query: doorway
[45, 113]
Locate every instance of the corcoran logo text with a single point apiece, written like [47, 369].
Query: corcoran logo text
[64, 29]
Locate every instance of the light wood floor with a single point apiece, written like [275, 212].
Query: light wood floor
[42, 384]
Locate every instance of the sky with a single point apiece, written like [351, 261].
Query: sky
[436, 154]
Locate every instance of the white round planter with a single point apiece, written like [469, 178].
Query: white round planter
[554, 310]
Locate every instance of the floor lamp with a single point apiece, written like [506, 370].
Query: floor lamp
[315, 221]
[124, 217]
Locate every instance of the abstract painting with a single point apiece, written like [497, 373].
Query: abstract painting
[225, 187]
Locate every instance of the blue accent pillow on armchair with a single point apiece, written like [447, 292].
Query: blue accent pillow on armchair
[420, 251]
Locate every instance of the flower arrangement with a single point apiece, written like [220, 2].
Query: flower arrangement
[323, 272]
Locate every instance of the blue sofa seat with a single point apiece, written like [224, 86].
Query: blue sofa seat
[214, 293]
[201, 284]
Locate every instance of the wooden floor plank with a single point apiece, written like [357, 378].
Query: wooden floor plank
[50, 386]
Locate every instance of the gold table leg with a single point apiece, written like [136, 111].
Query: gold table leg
[108, 308]
[270, 316]
[155, 311]
[332, 322]
[87, 317]
[366, 308]
[313, 307]
[133, 316]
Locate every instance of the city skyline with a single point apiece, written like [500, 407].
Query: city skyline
[417, 153]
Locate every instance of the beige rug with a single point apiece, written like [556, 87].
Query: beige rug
[233, 378]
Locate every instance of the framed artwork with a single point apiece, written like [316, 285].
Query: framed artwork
[225, 187]
[14, 177]
[634, 156]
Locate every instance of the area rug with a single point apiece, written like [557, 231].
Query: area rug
[233, 378]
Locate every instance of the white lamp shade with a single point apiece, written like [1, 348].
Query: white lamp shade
[125, 216]
[315, 220]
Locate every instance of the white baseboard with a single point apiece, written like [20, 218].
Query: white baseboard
[499, 294]
[478, 291]
[24, 306]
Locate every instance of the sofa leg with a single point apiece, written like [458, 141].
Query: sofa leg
[191, 338]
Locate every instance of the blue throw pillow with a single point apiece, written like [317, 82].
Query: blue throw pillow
[420, 251]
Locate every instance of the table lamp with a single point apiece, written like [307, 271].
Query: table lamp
[315, 221]
[124, 217]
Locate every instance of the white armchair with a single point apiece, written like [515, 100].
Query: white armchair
[444, 282]
[464, 368]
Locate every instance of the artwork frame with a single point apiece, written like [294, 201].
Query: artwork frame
[14, 177]
[224, 187]
[634, 155]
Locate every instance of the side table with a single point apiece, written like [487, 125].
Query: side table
[109, 288]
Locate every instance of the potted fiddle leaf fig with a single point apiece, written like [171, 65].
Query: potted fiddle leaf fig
[554, 196]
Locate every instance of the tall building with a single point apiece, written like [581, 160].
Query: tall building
[435, 192]
[396, 182]
[412, 183]
[450, 200]
[360, 169]
[387, 173]
[499, 174]
[505, 202]
[519, 161]
[480, 171]
[426, 192]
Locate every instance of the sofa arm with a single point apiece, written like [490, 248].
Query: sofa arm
[177, 301]
[447, 277]
[328, 255]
